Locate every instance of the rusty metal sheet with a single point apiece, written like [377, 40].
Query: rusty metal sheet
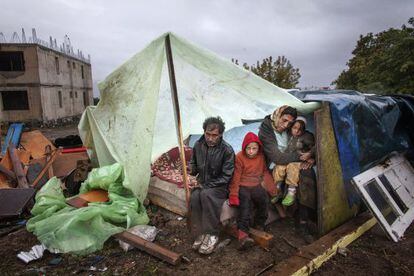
[35, 142]
[14, 201]
[64, 163]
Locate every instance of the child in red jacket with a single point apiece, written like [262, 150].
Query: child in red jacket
[246, 187]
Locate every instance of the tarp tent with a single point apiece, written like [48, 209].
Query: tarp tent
[134, 120]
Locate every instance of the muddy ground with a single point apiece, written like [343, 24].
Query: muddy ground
[372, 254]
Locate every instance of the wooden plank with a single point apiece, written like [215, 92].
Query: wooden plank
[177, 117]
[48, 153]
[261, 238]
[168, 187]
[35, 142]
[168, 196]
[17, 168]
[333, 208]
[150, 247]
[309, 258]
[153, 191]
[46, 167]
[179, 209]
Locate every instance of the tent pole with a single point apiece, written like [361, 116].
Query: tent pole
[174, 96]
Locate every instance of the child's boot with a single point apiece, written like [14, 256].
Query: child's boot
[278, 196]
[290, 197]
[245, 241]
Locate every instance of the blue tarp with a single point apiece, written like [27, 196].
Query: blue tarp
[367, 128]
[13, 136]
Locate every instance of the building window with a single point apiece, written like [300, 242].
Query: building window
[15, 100]
[68, 62]
[83, 74]
[74, 66]
[76, 94]
[60, 99]
[71, 94]
[85, 99]
[11, 61]
[57, 65]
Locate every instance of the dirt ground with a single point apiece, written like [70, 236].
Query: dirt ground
[372, 254]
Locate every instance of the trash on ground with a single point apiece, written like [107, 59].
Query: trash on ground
[146, 232]
[34, 254]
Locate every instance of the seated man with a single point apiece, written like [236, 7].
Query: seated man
[213, 163]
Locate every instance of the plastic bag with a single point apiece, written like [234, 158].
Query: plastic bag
[82, 231]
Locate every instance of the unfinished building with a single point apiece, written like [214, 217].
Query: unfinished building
[41, 82]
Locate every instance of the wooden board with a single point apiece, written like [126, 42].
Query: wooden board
[168, 196]
[150, 247]
[261, 238]
[309, 258]
[333, 208]
[35, 142]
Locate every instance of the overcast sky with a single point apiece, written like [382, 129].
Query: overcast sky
[316, 36]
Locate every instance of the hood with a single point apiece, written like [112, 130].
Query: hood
[249, 138]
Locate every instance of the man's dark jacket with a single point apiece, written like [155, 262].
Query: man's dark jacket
[271, 151]
[214, 165]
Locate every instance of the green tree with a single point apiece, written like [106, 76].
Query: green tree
[382, 63]
[279, 72]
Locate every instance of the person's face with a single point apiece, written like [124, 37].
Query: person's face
[212, 136]
[284, 122]
[297, 130]
[252, 149]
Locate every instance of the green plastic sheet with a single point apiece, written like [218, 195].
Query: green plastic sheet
[84, 230]
[134, 122]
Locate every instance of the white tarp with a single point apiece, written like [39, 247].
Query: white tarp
[134, 120]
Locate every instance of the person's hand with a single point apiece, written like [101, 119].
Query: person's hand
[305, 156]
[234, 200]
[192, 185]
[308, 164]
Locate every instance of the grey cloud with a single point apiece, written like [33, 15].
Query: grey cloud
[317, 36]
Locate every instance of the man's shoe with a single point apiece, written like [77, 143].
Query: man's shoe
[288, 200]
[208, 244]
[197, 243]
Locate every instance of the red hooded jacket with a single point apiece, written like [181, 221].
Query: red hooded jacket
[251, 171]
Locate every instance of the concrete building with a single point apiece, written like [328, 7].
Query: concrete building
[42, 83]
